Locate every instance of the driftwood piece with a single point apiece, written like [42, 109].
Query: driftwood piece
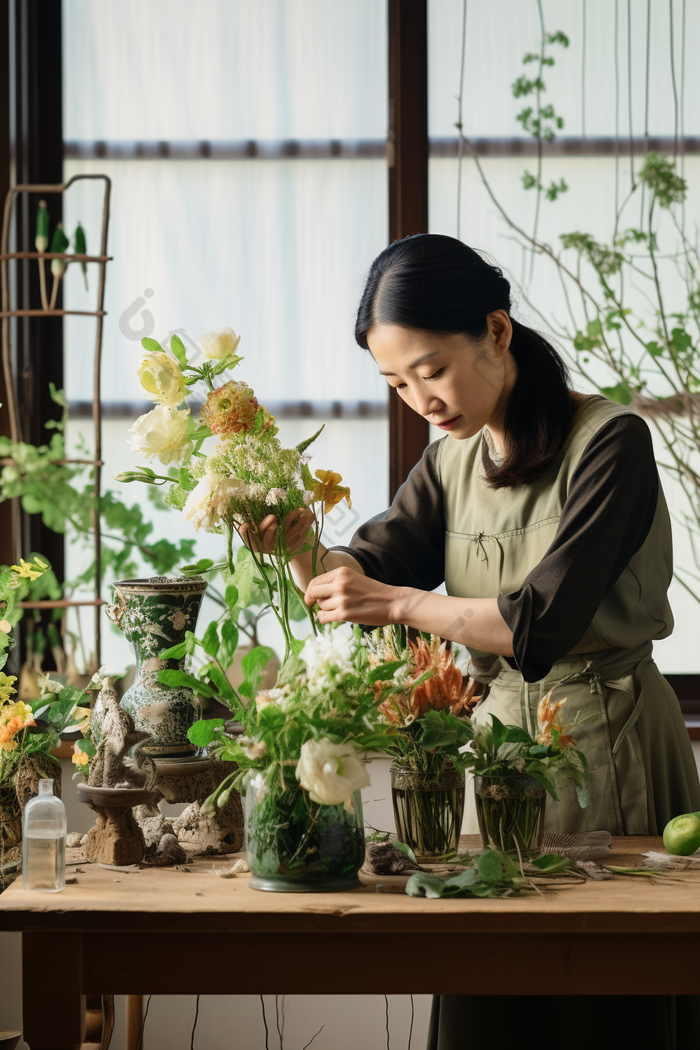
[382, 858]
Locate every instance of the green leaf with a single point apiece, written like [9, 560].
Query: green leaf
[231, 597]
[406, 850]
[205, 730]
[423, 885]
[199, 568]
[229, 643]
[151, 344]
[223, 686]
[385, 672]
[654, 349]
[303, 445]
[244, 574]
[620, 393]
[187, 482]
[550, 863]
[178, 348]
[253, 664]
[175, 652]
[177, 678]
[210, 640]
[489, 866]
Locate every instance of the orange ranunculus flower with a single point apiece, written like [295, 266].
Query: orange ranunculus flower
[445, 688]
[79, 758]
[231, 408]
[328, 489]
[546, 711]
[13, 718]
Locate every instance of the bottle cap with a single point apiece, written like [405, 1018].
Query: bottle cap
[46, 786]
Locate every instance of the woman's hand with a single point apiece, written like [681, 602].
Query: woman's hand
[346, 595]
[297, 527]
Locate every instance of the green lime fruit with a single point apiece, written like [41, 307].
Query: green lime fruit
[682, 835]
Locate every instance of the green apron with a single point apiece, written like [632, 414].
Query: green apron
[631, 728]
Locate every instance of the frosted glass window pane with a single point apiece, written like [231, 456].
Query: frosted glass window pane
[224, 69]
[500, 32]
[275, 249]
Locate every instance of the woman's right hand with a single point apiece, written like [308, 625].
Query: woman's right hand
[298, 532]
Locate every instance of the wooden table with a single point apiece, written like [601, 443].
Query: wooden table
[154, 930]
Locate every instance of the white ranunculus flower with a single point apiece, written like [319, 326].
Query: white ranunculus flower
[209, 501]
[199, 508]
[161, 378]
[161, 432]
[331, 773]
[222, 342]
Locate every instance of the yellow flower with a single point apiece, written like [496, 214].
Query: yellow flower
[82, 713]
[328, 489]
[231, 409]
[30, 570]
[5, 626]
[161, 378]
[79, 758]
[6, 690]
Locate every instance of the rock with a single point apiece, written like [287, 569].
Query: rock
[74, 839]
[221, 833]
[169, 852]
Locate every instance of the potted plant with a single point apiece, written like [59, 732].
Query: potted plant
[431, 715]
[300, 762]
[29, 730]
[514, 773]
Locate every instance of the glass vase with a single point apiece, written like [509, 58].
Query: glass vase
[510, 811]
[298, 846]
[428, 809]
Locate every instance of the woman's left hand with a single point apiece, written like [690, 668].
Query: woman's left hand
[345, 595]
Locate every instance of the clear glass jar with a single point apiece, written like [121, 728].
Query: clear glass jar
[44, 841]
[428, 810]
[510, 811]
[298, 846]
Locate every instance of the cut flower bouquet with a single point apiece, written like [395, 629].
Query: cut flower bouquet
[514, 772]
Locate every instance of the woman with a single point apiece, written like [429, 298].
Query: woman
[542, 511]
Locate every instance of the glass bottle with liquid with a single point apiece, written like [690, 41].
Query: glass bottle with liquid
[44, 841]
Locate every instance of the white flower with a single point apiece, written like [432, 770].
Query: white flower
[253, 748]
[331, 773]
[99, 676]
[47, 684]
[222, 342]
[327, 652]
[198, 506]
[275, 496]
[308, 497]
[209, 501]
[259, 785]
[161, 432]
[161, 378]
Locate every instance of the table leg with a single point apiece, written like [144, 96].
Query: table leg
[53, 1006]
[134, 1021]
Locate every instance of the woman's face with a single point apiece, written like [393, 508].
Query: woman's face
[453, 382]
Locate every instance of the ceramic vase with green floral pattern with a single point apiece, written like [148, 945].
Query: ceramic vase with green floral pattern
[154, 615]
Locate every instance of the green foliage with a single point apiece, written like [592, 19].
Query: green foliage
[499, 750]
[488, 874]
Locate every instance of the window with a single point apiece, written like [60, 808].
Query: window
[247, 151]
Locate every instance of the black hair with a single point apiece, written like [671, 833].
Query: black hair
[439, 284]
